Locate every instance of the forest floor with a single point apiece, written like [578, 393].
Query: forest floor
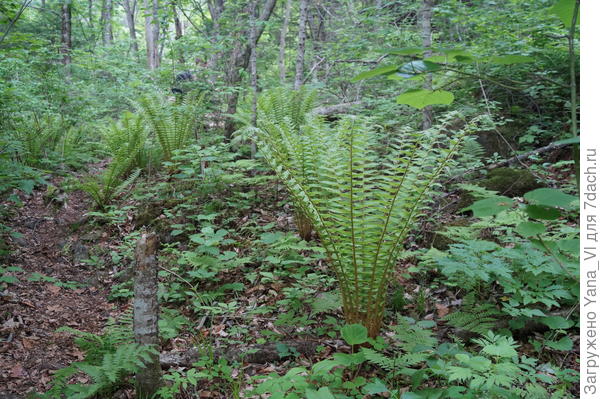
[55, 289]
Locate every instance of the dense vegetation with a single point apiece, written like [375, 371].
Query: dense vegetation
[353, 198]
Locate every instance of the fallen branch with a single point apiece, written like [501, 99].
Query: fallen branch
[264, 353]
[522, 157]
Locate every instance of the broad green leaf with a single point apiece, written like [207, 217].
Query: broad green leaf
[556, 322]
[422, 98]
[564, 10]
[417, 67]
[542, 212]
[322, 393]
[375, 387]
[572, 140]
[529, 229]
[490, 206]
[570, 246]
[552, 197]
[354, 334]
[564, 344]
[383, 70]
[510, 59]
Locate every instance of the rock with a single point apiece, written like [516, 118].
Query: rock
[442, 242]
[80, 252]
[492, 142]
[510, 181]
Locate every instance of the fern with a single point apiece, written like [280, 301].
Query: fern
[172, 124]
[117, 332]
[361, 200]
[473, 316]
[127, 359]
[109, 358]
[109, 184]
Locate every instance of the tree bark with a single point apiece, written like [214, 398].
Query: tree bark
[177, 23]
[130, 17]
[573, 89]
[239, 60]
[215, 8]
[318, 35]
[253, 73]
[106, 19]
[146, 311]
[299, 77]
[65, 32]
[282, 38]
[426, 41]
[152, 33]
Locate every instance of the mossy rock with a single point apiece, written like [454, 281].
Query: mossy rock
[442, 242]
[510, 182]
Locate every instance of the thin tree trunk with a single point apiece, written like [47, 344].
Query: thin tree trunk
[215, 7]
[65, 36]
[301, 44]
[152, 33]
[178, 29]
[284, 30]
[253, 73]
[239, 60]
[130, 17]
[426, 40]
[106, 18]
[146, 312]
[573, 87]
[316, 23]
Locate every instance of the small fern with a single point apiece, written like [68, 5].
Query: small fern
[126, 360]
[473, 316]
[109, 184]
[172, 124]
[109, 357]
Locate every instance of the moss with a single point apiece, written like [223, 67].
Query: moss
[442, 242]
[510, 182]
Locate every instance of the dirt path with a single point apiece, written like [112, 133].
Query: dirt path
[54, 289]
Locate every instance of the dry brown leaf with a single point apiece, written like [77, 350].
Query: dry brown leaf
[442, 310]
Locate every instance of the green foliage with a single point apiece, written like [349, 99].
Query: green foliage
[361, 197]
[110, 358]
[475, 316]
[172, 124]
[109, 184]
[113, 368]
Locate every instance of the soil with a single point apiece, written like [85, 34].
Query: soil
[70, 294]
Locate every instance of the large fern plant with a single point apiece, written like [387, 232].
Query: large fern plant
[361, 196]
[171, 123]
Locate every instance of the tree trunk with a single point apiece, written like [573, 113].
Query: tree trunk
[239, 60]
[130, 17]
[573, 89]
[152, 32]
[215, 7]
[426, 40]
[253, 74]
[284, 30]
[301, 44]
[65, 32]
[146, 311]
[106, 20]
[316, 23]
[178, 30]
[91, 17]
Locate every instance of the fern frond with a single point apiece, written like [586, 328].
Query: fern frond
[473, 316]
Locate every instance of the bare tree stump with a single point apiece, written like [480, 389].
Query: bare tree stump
[146, 312]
